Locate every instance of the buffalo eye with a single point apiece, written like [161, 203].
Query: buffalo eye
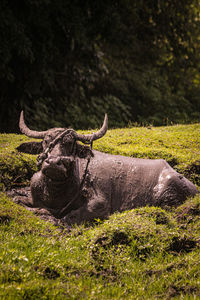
[46, 141]
[67, 161]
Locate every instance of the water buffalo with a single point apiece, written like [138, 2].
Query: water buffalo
[80, 184]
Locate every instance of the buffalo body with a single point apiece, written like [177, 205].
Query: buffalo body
[79, 184]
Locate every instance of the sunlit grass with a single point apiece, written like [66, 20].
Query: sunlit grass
[145, 253]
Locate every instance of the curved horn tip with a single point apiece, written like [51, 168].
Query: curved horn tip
[31, 133]
[21, 120]
[21, 114]
[103, 129]
[105, 120]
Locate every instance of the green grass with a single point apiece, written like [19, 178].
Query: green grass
[16, 168]
[145, 253]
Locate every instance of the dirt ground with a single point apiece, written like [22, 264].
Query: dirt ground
[22, 196]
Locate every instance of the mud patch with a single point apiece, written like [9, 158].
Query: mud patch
[22, 196]
[30, 147]
[117, 238]
[51, 273]
[184, 244]
[172, 161]
[5, 219]
[47, 272]
[174, 290]
[188, 213]
[192, 172]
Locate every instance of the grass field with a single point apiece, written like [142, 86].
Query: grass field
[146, 253]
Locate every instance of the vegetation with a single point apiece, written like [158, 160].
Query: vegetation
[67, 62]
[16, 168]
[145, 253]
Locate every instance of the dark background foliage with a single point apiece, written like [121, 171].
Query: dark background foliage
[66, 63]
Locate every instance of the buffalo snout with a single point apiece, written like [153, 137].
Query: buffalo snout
[58, 167]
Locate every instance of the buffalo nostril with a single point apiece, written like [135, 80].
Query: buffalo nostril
[50, 160]
[58, 161]
[53, 160]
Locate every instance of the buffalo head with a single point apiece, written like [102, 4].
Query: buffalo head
[59, 148]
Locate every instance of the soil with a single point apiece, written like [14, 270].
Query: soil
[22, 196]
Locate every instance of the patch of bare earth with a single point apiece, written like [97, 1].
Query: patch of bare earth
[22, 196]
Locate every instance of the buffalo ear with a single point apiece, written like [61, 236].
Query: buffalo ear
[30, 147]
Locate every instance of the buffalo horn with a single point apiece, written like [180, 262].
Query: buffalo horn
[87, 138]
[31, 133]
